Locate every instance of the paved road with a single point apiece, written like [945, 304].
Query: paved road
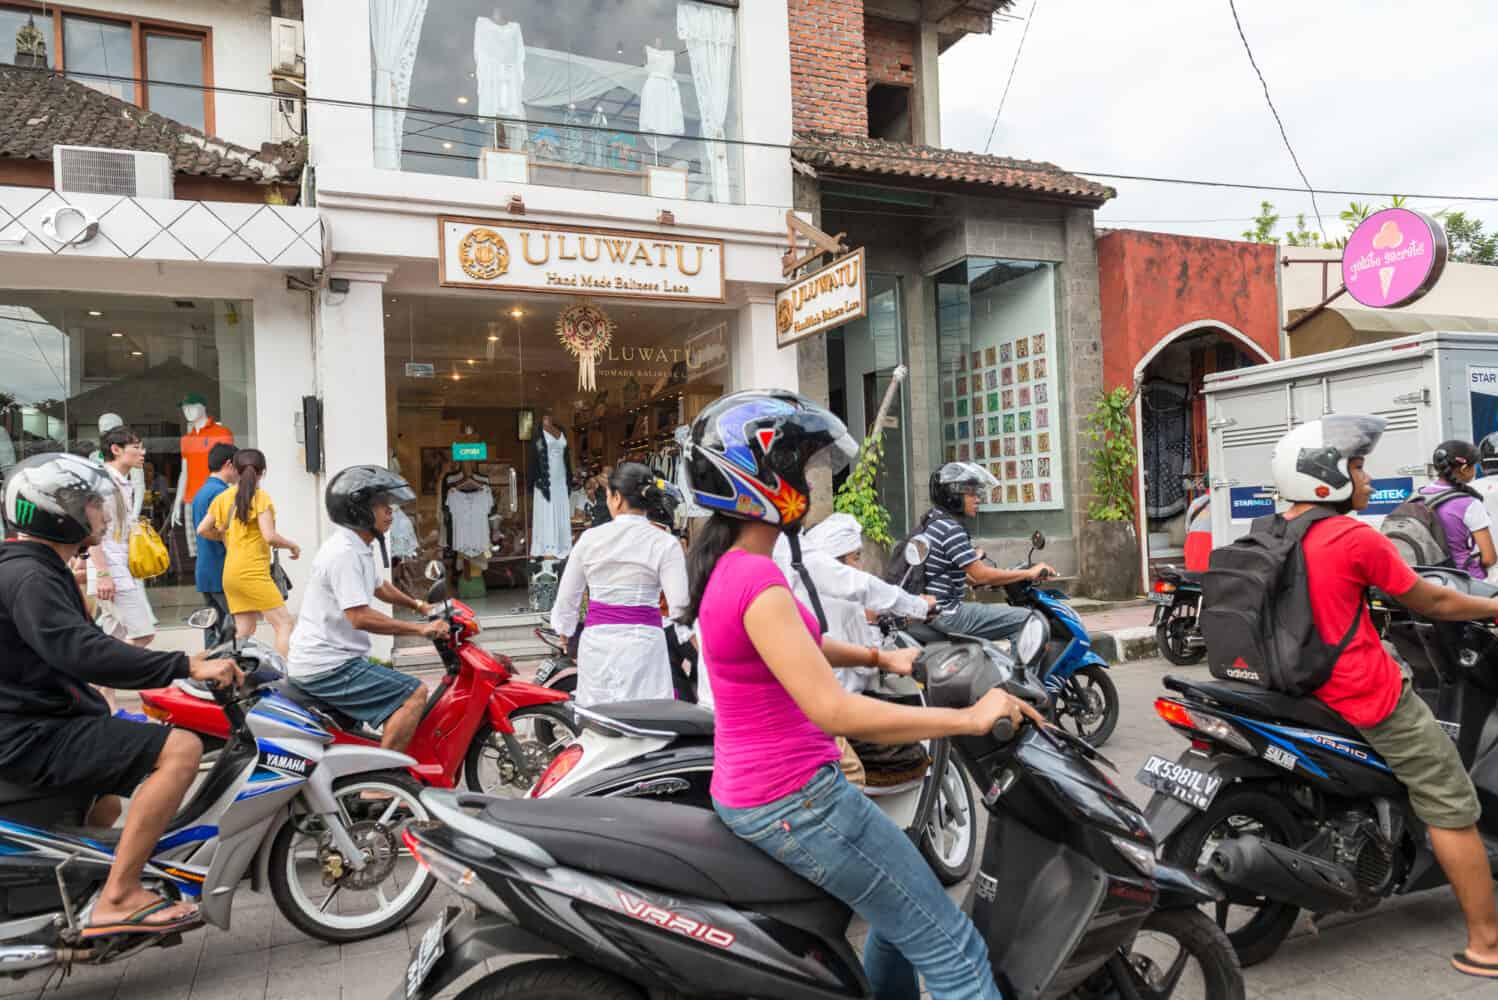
[1398, 950]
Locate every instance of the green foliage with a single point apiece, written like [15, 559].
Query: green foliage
[1468, 241]
[859, 494]
[1112, 431]
[1264, 223]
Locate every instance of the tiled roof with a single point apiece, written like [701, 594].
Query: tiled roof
[39, 110]
[881, 158]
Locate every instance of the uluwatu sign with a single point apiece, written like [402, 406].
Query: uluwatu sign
[830, 297]
[511, 256]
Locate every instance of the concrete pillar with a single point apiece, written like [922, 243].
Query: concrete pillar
[758, 362]
[339, 69]
[925, 99]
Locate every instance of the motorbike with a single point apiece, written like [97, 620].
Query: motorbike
[481, 725]
[622, 896]
[282, 805]
[1177, 597]
[559, 670]
[1287, 804]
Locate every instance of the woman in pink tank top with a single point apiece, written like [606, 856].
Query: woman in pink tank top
[776, 780]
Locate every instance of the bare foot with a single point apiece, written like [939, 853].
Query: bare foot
[128, 910]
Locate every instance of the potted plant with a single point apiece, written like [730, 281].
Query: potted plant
[1110, 544]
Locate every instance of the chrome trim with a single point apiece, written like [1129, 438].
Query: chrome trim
[19, 958]
[446, 806]
[609, 726]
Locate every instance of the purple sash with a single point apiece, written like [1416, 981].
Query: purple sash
[600, 613]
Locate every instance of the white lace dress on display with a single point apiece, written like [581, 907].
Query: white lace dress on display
[551, 518]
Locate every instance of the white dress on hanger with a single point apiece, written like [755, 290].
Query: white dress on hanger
[660, 99]
[499, 53]
[470, 512]
[551, 519]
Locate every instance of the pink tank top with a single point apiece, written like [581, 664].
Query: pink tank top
[765, 747]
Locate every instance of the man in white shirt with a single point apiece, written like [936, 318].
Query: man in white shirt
[330, 648]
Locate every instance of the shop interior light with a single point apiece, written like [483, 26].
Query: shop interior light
[517, 312]
[447, 145]
[116, 333]
[462, 99]
[472, 362]
[493, 338]
[95, 312]
[137, 354]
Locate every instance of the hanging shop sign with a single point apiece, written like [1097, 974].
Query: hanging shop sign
[513, 256]
[1393, 258]
[830, 297]
[584, 330]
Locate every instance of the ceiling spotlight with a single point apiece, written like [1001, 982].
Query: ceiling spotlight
[447, 145]
[137, 354]
[95, 312]
[517, 312]
[462, 99]
[116, 333]
[472, 362]
[456, 376]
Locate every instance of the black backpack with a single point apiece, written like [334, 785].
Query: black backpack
[1256, 610]
[896, 569]
[1416, 531]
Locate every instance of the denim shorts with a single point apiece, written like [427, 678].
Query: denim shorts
[361, 690]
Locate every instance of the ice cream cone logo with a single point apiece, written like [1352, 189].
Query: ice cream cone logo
[1385, 278]
[1388, 237]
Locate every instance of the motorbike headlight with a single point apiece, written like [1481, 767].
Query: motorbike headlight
[1030, 642]
[1138, 855]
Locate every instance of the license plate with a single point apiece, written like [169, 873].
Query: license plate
[1196, 788]
[1155, 598]
[424, 959]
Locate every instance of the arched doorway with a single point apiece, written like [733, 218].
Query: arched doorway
[1171, 439]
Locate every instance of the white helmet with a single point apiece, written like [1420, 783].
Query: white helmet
[1310, 462]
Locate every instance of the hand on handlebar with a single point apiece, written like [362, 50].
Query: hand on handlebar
[219, 674]
[998, 705]
[932, 608]
[436, 629]
[898, 661]
[1040, 571]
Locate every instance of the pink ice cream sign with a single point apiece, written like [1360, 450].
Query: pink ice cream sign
[1393, 258]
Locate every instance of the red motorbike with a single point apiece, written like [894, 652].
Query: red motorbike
[499, 732]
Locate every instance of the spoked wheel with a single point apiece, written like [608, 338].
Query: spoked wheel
[506, 765]
[1174, 637]
[317, 888]
[1087, 705]
[950, 841]
[1254, 924]
[1179, 955]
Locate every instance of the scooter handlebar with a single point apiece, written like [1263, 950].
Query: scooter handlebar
[1004, 730]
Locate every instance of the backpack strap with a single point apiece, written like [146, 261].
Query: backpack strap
[1435, 500]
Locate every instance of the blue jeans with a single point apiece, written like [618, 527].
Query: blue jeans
[987, 621]
[834, 836]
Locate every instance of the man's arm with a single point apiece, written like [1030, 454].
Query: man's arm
[1444, 604]
[393, 595]
[367, 619]
[979, 573]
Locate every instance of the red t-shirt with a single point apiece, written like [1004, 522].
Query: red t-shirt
[1344, 557]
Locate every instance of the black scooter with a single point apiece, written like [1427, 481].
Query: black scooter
[1177, 597]
[625, 897]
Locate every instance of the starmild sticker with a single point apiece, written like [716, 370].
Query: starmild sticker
[987, 887]
[1280, 756]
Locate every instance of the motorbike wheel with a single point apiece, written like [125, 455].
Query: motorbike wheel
[950, 841]
[1258, 933]
[356, 905]
[1088, 705]
[1170, 636]
[551, 979]
[540, 730]
[1179, 950]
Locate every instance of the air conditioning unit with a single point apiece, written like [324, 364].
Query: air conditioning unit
[288, 48]
[91, 170]
[288, 76]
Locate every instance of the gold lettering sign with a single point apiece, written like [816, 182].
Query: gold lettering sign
[830, 297]
[569, 261]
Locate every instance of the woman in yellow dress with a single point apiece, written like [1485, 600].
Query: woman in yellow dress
[244, 519]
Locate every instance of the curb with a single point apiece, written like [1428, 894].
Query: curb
[1126, 644]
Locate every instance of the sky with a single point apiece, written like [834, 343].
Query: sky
[1375, 95]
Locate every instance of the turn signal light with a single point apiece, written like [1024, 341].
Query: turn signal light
[1174, 713]
[561, 765]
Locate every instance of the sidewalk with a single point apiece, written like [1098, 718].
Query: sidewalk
[1121, 632]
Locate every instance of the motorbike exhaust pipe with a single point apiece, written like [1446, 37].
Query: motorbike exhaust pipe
[23, 957]
[1265, 868]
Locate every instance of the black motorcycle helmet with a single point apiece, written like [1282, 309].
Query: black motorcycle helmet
[1487, 451]
[955, 480]
[1452, 456]
[661, 500]
[352, 494]
[49, 496]
[751, 453]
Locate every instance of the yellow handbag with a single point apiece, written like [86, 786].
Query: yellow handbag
[148, 555]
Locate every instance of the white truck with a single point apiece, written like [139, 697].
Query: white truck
[1430, 387]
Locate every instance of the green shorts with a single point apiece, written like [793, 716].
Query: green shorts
[1426, 762]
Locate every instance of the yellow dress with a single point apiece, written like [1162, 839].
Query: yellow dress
[247, 582]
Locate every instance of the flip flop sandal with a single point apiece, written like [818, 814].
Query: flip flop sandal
[1468, 966]
[137, 923]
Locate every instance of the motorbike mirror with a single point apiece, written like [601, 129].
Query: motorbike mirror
[438, 593]
[435, 571]
[1037, 540]
[203, 618]
[916, 550]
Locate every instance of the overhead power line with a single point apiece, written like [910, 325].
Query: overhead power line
[1029, 18]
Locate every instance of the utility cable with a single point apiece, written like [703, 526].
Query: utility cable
[1012, 67]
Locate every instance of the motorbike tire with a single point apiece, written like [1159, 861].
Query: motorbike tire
[1196, 936]
[1267, 929]
[551, 979]
[549, 718]
[310, 922]
[945, 873]
[1173, 648]
[1099, 679]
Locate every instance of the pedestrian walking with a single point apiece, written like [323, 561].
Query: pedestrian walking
[209, 573]
[124, 610]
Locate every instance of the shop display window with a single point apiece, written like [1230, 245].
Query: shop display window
[71, 362]
[632, 96]
[506, 391]
[996, 320]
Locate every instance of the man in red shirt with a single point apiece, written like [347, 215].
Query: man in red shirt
[1321, 463]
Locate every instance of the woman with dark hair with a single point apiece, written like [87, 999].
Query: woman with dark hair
[625, 565]
[776, 781]
[244, 519]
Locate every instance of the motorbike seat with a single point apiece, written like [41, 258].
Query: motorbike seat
[924, 634]
[1270, 706]
[679, 849]
[34, 805]
[1179, 576]
[660, 714]
[347, 723]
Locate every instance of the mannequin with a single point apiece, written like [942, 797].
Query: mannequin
[107, 423]
[551, 480]
[203, 432]
[499, 58]
[661, 117]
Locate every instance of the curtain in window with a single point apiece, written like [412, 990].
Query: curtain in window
[394, 31]
[709, 34]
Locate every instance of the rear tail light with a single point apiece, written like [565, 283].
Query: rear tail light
[1206, 724]
[561, 765]
[1161, 587]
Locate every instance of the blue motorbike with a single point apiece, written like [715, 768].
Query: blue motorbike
[1083, 696]
[1287, 804]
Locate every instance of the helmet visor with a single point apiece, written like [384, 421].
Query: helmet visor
[400, 495]
[63, 485]
[967, 477]
[835, 457]
[1353, 435]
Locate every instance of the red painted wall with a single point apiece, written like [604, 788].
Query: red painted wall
[1154, 283]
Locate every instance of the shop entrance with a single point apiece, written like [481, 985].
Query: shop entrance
[507, 442]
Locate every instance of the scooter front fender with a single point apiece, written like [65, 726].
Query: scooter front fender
[519, 694]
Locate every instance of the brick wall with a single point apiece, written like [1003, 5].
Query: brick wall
[828, 71]
[889, 51]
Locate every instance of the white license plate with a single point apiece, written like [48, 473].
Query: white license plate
[1155, 598]
[425, 957]
[1182, 782]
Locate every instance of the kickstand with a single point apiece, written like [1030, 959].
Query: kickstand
[62, 891]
